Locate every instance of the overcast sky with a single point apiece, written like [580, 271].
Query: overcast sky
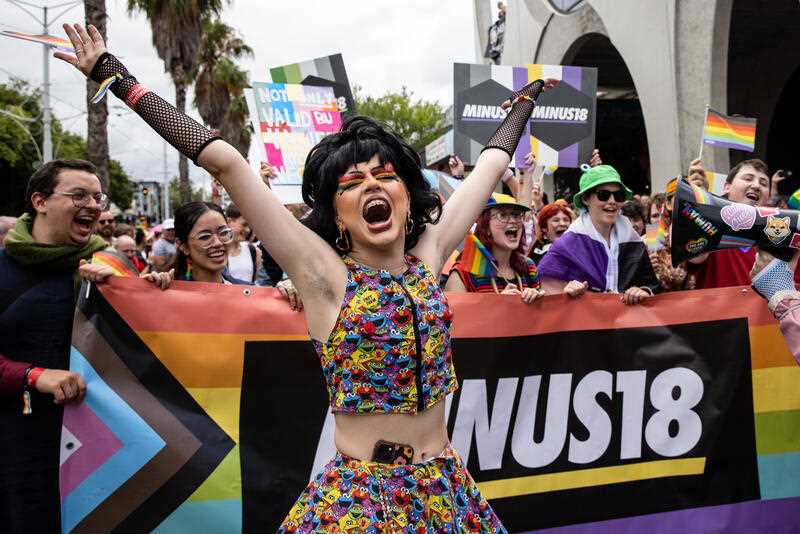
[386, 44]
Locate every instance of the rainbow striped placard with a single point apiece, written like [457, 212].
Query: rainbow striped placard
[55, 42]
[721, 130]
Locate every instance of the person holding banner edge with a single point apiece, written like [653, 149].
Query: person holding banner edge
[375, 242]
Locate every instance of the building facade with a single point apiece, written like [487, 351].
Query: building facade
[660, 63]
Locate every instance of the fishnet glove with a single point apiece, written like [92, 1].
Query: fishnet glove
[179, 130]
[775, 282]
[507, 136]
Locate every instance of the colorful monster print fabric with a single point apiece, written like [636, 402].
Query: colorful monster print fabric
[436, 496]
[390, 348]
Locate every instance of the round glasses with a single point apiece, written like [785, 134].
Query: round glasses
[206, 237]
[81, 199]
[508, 216]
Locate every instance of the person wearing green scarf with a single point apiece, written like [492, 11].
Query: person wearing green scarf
[38, 289]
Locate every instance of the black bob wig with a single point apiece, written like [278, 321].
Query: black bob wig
[359, 139]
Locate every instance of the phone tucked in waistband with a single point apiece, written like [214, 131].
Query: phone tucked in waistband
[386, 452]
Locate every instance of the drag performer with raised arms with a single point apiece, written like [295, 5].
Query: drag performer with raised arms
[366, 265]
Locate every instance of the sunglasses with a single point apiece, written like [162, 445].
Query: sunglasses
[604, 194]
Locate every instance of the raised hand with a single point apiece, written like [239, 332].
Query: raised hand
[88, 44]
[596, 159]
[456, 166]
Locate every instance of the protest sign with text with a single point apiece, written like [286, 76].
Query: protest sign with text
[289, 119]
[561, 129]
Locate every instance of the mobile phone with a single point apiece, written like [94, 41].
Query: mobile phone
[386, 452]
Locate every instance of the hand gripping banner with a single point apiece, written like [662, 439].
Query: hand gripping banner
[206, 411]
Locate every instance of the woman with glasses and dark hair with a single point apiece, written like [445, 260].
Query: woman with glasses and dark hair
[202, 235]
[600, 251]
[366, 263]
[500, 231]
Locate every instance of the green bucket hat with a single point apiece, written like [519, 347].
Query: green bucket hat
[602, 174]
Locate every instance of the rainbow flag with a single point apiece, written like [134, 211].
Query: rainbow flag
[732, 132]
[476, 257]
[55, 42]
[794, 201]
[121, 265]
[656, 236]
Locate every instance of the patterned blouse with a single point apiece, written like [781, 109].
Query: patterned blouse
[389, 350]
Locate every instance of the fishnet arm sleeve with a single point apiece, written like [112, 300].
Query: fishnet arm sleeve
[184, 133]
[510, 130]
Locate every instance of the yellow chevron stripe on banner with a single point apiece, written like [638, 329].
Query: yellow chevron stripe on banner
[584, 478]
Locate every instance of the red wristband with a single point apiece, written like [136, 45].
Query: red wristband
[33, 376]
[135, 94]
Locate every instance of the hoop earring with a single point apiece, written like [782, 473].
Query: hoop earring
[409, 224]
[342, 242]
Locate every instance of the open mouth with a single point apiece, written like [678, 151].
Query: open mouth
[753, 196]
[512, 233]
[216, 254]
[85, 222]
[377, 212]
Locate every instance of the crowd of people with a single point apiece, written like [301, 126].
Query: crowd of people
[375, 243]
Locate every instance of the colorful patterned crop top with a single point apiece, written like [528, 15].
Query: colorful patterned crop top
[390, 348]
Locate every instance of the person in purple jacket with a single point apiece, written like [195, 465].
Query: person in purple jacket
[600, 251]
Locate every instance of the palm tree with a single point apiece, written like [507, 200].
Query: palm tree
[97, 114]
[177, 36]
[220, 84]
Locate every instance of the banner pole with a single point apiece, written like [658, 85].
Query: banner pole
[703, 135]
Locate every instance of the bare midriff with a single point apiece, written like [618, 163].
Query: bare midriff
[426, 432]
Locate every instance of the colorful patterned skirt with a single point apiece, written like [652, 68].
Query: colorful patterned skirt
[356, 496]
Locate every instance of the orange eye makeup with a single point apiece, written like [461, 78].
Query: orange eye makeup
[355, 178]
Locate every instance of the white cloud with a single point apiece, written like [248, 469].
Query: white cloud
[385, 44]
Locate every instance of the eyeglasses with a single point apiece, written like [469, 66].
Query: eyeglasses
[604, 194]
[206, 237]
[105, 221]
[81, 198]
[508, 216]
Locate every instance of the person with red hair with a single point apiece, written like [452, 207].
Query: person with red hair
[499, 229]
[554, 219]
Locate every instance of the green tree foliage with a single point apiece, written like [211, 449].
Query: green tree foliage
[177, 28]
[220, 83]
[21, 135]
[174, 194]
[418, 121]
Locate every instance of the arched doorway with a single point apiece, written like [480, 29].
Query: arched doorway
[782, 152]
[620, 134]
[764, 80]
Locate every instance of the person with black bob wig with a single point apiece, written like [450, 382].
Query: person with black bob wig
[366, 264]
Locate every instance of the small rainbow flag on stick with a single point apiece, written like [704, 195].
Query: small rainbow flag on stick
[732, 132]
[55, 42]
[476, 258]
